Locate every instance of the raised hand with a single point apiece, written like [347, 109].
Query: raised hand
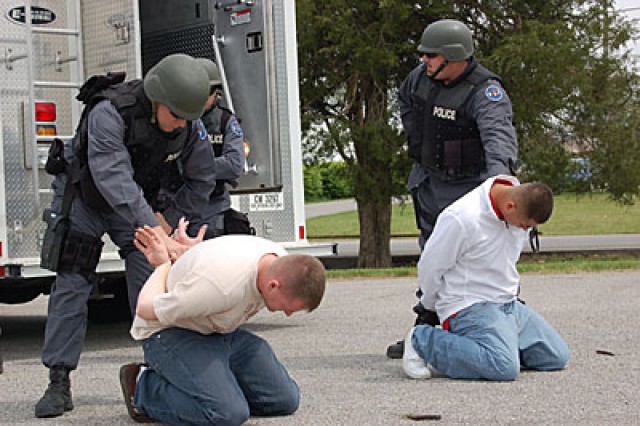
[152, 245]
[181, 236]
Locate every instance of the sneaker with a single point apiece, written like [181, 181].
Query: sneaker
[396, 350]
[414, 366]
[128, 379]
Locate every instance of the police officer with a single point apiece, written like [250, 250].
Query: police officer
[458, 120]
[221, 128]
[130, 137]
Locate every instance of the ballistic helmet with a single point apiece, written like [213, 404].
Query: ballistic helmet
[449, 37]
[177, 82]
[212, 71]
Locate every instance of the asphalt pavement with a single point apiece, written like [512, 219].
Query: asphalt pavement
[336, 355]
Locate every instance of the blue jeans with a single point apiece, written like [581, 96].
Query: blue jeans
[216, 379]
[492, 341]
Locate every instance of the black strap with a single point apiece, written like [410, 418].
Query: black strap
[69, 192]
[534, 239]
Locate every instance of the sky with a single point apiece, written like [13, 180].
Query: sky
[631, 8]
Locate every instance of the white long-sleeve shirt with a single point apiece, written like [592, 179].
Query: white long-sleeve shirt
[471, 255]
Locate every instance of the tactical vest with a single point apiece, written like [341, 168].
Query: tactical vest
[215, 121]
[153, 153]
[450, 143]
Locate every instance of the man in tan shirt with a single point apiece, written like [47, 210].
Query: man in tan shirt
[200, 368]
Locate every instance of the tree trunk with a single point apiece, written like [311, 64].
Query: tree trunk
[375, 228]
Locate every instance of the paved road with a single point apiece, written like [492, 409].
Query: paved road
[336, 355]
[550, 244]
[329, 207]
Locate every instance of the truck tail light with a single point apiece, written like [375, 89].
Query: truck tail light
[46, 130]
[45, 119]
[45, 111]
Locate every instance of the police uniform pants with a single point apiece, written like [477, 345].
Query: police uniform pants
[433, 195]
[67, 311]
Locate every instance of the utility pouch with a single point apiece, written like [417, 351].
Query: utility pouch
[55, 159]
[463, 158]
[80, 254]
[54, 239]
[236, 222]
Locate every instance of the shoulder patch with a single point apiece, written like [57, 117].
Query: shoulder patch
[235, 127]
[493, 93]
[202, 130]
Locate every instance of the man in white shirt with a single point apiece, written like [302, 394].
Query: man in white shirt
[467, 273]
[200, 367]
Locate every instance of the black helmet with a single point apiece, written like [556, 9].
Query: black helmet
[180, 83]
[449, 37]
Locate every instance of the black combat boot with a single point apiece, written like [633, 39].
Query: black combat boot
[57, 398]
[396, 350]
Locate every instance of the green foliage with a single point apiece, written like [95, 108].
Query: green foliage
[545, 159]
[313, 189]
[336, 181]
[327, 181]
[574, 90]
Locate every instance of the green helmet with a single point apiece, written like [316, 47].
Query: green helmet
[212, 71]
[178, 84]
[449, 37]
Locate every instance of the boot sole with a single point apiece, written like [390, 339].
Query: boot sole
[128, 375]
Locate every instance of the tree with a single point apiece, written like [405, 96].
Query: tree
[354, 54]
[574, 90]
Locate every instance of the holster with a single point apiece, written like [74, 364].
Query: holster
[58, 226]
[64, 250]
[236, 222]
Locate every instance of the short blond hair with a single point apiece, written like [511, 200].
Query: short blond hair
[303, 276]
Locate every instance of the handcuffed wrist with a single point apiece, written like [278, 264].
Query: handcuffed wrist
[168, 262]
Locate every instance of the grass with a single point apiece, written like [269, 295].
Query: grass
[592, 214]
[560, 264]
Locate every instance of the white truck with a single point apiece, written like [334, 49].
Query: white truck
[45, 59]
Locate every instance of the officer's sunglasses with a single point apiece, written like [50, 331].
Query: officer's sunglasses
[430, 55]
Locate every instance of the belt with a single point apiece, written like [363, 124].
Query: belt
[445, 324]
